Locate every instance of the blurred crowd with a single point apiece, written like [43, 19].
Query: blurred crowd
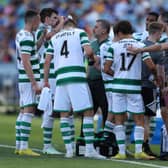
[86, 12]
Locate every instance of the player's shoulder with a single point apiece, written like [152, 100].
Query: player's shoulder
[137, 36]
[140, 36]
[80, 31]
[56, 36]
[106, 44]
[163, 38]
[24, 35]
[38, 32]
[127, 40]
[123, 43]
[115, 43]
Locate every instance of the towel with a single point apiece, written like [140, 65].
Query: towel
[45, 102]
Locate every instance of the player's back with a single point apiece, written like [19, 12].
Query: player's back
[68, 48]
[126, 64]
[127, 67]
[69, 56]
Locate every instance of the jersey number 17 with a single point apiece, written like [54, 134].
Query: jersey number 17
[124, 56]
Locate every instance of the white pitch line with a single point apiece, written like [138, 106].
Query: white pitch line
[123, 161]
[140, 163]
[13, 147]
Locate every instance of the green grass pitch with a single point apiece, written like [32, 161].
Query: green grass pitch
[9, 160]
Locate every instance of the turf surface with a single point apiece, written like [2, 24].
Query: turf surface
[9, 160]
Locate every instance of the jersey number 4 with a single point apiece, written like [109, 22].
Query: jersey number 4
[64, 49]
[123, 58]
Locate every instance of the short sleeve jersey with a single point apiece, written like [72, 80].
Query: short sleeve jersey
[42, 51]
[66, 47]
[127, 67]
[25, 44]
[140, 36]
[106, 53]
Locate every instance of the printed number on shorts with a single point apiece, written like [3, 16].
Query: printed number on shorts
[64, 49]
[124, 56]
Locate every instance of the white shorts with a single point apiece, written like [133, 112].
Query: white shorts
[20, 104]
[131, 103]
[52, 83]
[109, 100]
[27, 95]
[72, 96]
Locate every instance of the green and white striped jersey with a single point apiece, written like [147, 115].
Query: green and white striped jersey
[140, 36]
[106, 53]
[42, 51]
[127, 67]
[143, 36]
[66, 47]
[163, 38]
[25, 44]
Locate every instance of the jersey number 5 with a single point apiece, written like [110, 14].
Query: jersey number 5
[64, 49]
[123, 57]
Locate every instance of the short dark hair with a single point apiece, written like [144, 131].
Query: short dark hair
[105, 24]
[155, 14]
[124, 27]
[164, 16]
[47, 12]
[155, 27]
[29, 15]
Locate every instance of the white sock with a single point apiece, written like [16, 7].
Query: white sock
[48, 123]
[120, 137]
[25, 129]
[109, 126]
[88, 131]
[72, 126]
[18, 131]
[66, 133]
[139, 137]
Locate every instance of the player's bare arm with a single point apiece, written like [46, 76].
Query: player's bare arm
[107, 67]
[89, 52]
[153, 69]
[156, 47]
[29, 72]
[97, 62]
[46, 70]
